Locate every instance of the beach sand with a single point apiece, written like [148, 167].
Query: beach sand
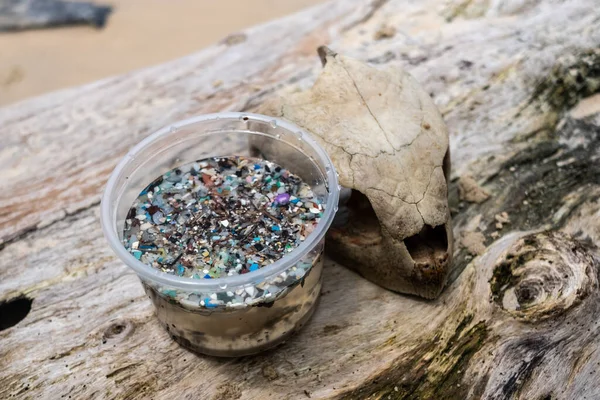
[139, 33]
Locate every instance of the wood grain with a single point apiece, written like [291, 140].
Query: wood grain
[518, 321]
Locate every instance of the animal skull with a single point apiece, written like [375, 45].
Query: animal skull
[389, 145]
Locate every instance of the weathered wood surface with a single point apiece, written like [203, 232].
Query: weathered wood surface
[519, 321]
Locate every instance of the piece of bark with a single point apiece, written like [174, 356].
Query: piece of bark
[385, 32]
[470, 191]
[519, 321]
[474, 242]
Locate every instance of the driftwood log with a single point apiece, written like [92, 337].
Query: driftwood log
[516, 81]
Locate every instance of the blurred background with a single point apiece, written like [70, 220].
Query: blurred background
[136, 34]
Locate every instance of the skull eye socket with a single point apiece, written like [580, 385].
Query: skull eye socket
[362, 215]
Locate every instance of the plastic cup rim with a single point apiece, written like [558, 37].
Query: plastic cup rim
[109, 220]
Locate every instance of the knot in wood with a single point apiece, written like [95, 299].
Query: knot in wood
[118, 329]
[542, 275]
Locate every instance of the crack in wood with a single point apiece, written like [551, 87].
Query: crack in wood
[374, 7]
[27, 231]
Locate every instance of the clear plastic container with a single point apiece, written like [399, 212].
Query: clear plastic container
[279, 298]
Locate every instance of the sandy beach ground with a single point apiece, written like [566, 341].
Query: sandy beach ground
[139, 33]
